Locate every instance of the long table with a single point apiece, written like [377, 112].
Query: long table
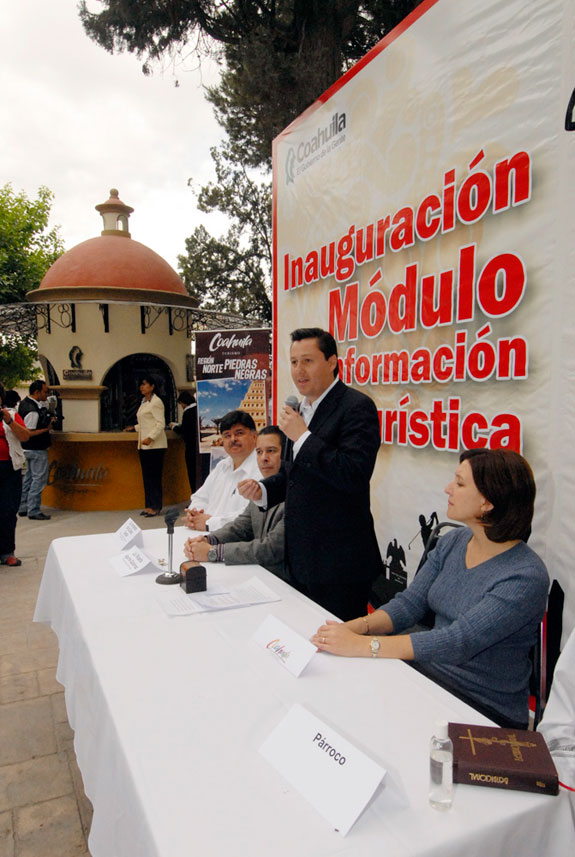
[169, 714]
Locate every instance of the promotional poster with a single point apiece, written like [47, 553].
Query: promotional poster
[233, 373]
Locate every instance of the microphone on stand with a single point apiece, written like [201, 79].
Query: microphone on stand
[170, 576]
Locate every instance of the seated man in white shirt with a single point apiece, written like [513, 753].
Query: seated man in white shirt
[255, 536]
[218, 502]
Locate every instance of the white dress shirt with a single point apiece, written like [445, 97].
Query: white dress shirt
[219, 497]
[307, 410]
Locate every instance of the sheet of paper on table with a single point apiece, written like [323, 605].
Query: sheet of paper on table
[133, 560]
[253, 591]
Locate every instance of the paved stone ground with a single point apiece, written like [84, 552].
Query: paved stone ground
[43, 809]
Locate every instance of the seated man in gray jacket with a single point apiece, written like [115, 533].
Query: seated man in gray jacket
[255, 536]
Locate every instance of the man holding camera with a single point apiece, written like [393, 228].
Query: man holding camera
[38, 420]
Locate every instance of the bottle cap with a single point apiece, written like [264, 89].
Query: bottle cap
[441, 727]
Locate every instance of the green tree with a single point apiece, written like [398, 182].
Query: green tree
[277, 56]
[232, 273]
[27, 249]
[17, 361]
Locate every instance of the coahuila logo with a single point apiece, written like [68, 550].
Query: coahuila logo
[278, 648]
[219, 341]
[310, 150]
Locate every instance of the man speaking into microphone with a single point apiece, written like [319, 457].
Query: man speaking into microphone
[331, 549]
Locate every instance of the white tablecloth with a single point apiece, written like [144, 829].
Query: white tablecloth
[169, 714]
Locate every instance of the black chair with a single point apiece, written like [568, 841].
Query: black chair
[545, 652]
[538, 683]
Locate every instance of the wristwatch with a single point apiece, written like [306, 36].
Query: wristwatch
[374, 644]
[213, 554]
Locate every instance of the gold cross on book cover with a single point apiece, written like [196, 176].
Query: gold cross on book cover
[502, 758]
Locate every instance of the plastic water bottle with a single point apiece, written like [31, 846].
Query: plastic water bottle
[441, 768]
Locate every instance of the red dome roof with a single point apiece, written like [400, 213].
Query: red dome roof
[113, 261]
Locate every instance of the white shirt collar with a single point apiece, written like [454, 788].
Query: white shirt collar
[246, 464]
[311, 408]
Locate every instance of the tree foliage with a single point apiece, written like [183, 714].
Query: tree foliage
[27, 249]
[232, 273]
[277, 56]
[18, 361]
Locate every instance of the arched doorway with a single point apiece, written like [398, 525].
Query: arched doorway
[49, 372]
[120, 401]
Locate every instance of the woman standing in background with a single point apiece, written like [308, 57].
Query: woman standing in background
[152, 444]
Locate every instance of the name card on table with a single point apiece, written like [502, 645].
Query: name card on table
[326, 769]
[292, 650]
[130, 534]
[132, 561]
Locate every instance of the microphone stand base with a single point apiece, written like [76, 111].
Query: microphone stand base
[169, 577]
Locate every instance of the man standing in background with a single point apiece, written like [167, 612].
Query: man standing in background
[38, 421]
[188, 431]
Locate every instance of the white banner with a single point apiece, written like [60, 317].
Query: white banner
[423, 212]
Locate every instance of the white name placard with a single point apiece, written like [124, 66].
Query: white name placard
[130, 534]
[132, 561]
[292, 650]
[325, 768]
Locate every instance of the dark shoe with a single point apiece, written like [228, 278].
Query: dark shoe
[152, 514]
[11, 561]
[22, 514]
[39, 517]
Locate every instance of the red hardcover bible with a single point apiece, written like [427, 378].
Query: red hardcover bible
[502, 759]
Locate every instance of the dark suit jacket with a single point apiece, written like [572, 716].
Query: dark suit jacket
[331, 549]
[188, 428]
[188, 431]
[255, 536]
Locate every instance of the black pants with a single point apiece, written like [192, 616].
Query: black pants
[10, 494]
[152, 463]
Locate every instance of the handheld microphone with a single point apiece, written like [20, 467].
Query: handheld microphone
[293, 403]
[170, 576]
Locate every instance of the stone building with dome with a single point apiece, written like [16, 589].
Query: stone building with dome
[108, 311]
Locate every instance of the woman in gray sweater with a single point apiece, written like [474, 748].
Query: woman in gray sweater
[487, 588]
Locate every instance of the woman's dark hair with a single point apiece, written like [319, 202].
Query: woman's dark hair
[149, 379]
[506, 480]
[11, 398]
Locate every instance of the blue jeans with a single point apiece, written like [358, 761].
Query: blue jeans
[35, 480]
